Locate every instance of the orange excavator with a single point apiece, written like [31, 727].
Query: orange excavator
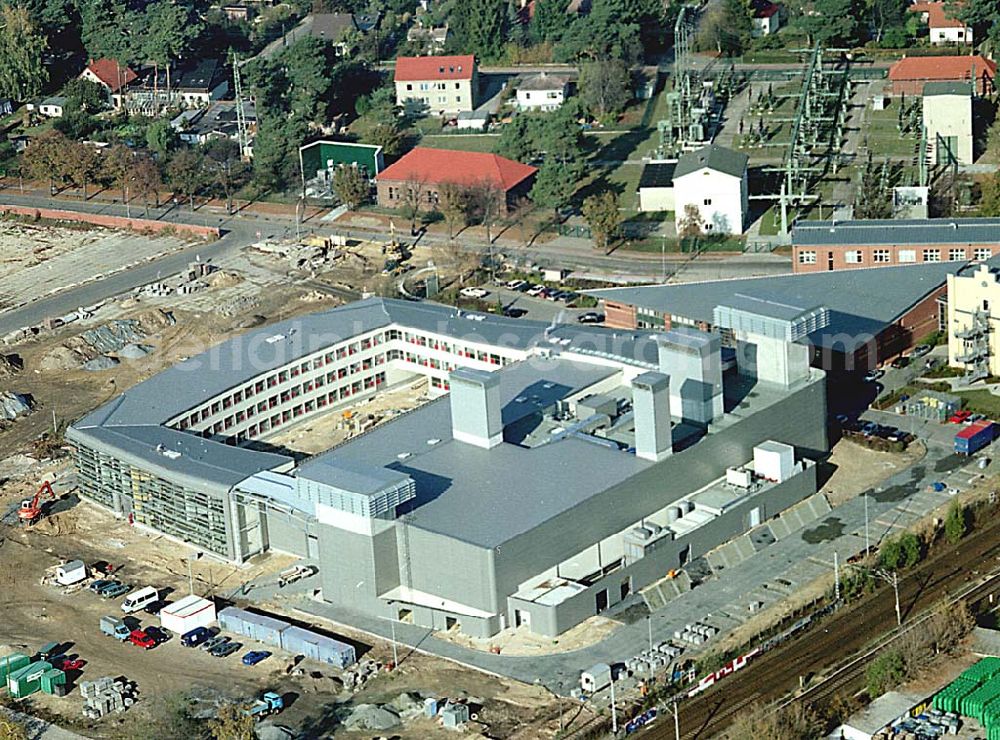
[31, 509]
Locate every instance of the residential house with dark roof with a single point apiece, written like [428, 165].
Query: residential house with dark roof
[431, 40]
[542, 92]
[427, 170]
[943, 28]
[909, 75]
[333, 27]
[844, 245]
[441, 85]
[713, 182]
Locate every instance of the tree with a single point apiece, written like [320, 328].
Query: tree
[886, 14]
[161, 138]
[604, 87]
[453, 202]
[603, 216]
[690, 223]
[84, 96]
[486, 203]
[168, 30]
[146, 181]
[22, 46]
[791, 722]
[225, 166]
[554, 185]
[726, 28]
[612, 30]
[902, 551]
[116, 167]
[479, 28]
[982, 16]
[351, 185]
[835, 23]
[550, 21]
[518, 139]
[388, 136]
[232, 723]
[989, 200]
[955, 525]
[45, 159]
[82, 164]
[185, 173]
[413, 200]
[885, 672]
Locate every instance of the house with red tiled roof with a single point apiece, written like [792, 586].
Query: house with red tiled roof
[942, 27]
[441, 85]
[909, 75]
[423, 171]
[112, 76]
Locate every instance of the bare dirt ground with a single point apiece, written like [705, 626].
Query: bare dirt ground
[520, 642]
[859, 468]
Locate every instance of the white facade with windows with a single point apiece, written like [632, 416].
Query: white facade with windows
[721, 199]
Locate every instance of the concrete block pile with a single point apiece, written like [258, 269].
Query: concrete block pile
[106, 695]
[357, 676]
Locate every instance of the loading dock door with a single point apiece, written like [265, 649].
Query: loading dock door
[754, 517]
[602, 600]
[522, 618]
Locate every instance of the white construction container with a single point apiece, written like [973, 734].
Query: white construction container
[72, 572]
[595, 678]
[774, 461]
[187, 614]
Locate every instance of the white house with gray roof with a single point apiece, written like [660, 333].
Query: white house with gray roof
[711, 184]
[567, 469]
[544, 92]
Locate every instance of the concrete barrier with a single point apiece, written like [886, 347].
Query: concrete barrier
[111, 222]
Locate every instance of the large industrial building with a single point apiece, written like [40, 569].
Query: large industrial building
[874, 314]
[555, 471]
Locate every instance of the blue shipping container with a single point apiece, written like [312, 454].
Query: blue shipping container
[255, 626]
[974, 437]
[318, 647]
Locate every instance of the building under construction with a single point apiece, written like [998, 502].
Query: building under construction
[555, 472]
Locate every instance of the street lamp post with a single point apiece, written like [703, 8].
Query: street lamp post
[395, 654]
[614, 712]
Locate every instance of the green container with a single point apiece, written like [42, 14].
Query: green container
[27, 680]
[11, 663]
[51, 679]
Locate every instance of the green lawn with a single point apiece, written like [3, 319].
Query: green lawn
[982, 402]
[462, 142]
[884, 137]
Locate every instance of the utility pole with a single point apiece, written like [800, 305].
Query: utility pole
[663, 257]
[895, 588]
[649, 623]
[190, 578]
[395, 654]
[836, 577]
[867, 543]
[614, 713]
[677, 722]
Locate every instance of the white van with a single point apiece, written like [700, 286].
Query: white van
[140, 599]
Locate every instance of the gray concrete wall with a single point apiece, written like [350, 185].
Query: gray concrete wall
[798, 420]
[449, 568]
[287, 533]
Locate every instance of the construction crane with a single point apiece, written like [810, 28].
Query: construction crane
[31, 509]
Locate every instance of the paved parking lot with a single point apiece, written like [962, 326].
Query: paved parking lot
[538, 309]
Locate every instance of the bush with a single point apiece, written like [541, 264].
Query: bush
[884, 673]
[902, 551]
[955, 523]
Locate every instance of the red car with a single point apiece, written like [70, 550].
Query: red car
[140, 638]
[65, 664]
[959, 417]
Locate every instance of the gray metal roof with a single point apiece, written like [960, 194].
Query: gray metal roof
[543, 81]
[132, 422]
[915, 231]
[486, 497]
[714, 157]
[350, 475]
[861, 302]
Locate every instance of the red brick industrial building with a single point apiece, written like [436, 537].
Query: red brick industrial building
[424, 171]
[821, 246]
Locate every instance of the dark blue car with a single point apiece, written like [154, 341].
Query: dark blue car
[195, 637]
[256, 656]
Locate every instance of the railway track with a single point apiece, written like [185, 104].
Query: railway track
[852, 631]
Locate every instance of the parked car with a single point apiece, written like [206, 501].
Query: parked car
[512, 312]
[900, 362]
[155, 608]
[226, 649]
[114, 627]
[555, 295]
[591, 317]
[100, 584]
[976, 417]
[256, 656]
[139, 638]
[569, 296]
[869, 428]
[195, 637]
[872, 375]
[474, 292]
[115, 590]
[524, 287]
[514, 284]
[64, 663]
[921, 349]
[158, 633]
[536, 290]
[210, 645]
[959, 417]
